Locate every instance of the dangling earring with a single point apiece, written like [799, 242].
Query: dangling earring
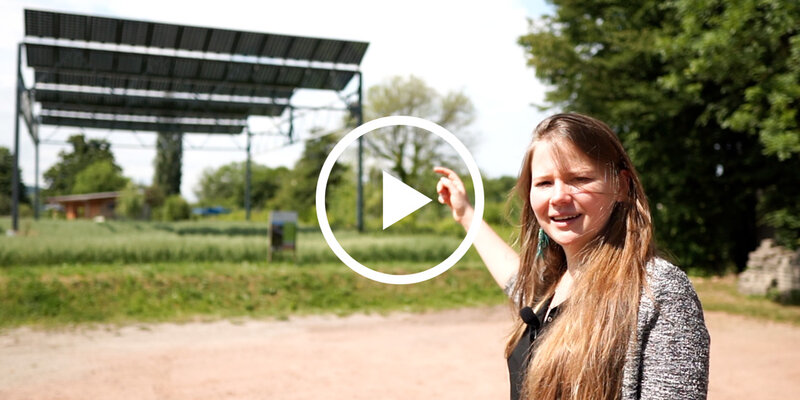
[544, 241]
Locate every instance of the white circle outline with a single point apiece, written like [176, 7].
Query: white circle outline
[322, 215]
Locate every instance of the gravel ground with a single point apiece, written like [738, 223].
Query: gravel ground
[454, 354]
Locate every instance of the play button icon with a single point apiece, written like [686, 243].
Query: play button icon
[399, 200]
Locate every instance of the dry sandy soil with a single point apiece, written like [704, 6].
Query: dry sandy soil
[454, 354]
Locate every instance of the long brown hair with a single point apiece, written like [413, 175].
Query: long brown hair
[581, 354]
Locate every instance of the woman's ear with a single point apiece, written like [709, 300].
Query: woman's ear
[624, 185]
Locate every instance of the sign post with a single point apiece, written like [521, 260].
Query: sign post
[282, 232]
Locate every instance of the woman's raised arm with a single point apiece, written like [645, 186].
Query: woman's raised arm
[501, 260]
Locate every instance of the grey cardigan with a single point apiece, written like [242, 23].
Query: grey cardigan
[669, 357]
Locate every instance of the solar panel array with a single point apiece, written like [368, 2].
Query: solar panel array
[84, 85]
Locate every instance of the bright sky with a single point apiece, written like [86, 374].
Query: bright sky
[451, 44]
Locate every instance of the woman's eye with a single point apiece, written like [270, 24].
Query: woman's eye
[583, 179]
[542, 184]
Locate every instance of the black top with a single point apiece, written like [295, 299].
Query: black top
[519, 358]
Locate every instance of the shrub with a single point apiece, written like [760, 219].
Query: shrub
[175, 209]
[131, 202]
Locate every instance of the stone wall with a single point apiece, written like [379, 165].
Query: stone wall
[771, 268]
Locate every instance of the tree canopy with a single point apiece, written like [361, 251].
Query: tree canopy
[6, 174]
[298, 190]
[60, 179]
[100, 176]
[704, 95]
[224, 186]
[168, 162]
[410, 152]
[273, 188]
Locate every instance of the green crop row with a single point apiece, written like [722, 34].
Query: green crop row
[82, 242]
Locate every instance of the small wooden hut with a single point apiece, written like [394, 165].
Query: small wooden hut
[88, 206]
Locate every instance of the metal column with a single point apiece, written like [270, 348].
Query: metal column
[360, 184]
[291, 124]
[15, 172]
[247, 177]
[36, 179]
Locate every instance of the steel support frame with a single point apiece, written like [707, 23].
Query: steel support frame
[15, 195]
[15, 173]
[247, 176]
[360, 172]
[359, 111]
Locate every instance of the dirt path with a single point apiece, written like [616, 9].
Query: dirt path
[454, 354]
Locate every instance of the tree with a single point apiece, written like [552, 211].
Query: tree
[747, 55]
[175, 209]
[674, 79]
[131, 203]
[410, 152]
[501, 206]
[60, 178]
[756, 46]
[154, 198]
[168, 162]
[298, 190]
[100, 176]
[6, 173]
[225, 185]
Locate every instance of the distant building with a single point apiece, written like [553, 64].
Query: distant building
[87, 206]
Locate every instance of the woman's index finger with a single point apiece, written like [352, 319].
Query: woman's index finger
[445, 171]
[441, 170]
[450, 174]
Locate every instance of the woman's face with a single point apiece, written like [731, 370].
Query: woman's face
[571, 197]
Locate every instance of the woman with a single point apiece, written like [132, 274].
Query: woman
[601, 317]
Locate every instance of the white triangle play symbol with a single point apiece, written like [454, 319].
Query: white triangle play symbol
[399, 200]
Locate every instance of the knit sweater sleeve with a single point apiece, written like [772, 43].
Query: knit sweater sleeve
[674, 340]
[509, 289]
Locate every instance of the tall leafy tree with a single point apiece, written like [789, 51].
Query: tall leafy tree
[298, 190]
[6, 175]
[741, 62]
[674, 79]
[225, 185]
[409, 152]
[100, 176]
[168, 162]
[60, 178]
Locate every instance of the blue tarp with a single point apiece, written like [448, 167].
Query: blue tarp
[210, 210]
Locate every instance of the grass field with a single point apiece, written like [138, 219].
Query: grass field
[183, 291]
[60, 273]
[720, 294]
